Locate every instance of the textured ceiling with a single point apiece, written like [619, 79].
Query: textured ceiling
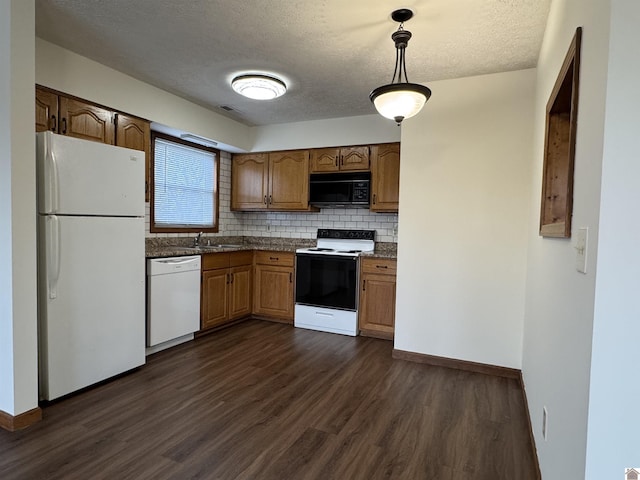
[331, 53]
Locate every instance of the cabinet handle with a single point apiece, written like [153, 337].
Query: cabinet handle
[53, 123]
[290, 277]
[336, 160]
[374, 198]
[64, 125]
[228, 278]
[270, 199]
[231, 278]
[275, 259]
[364, 284]
[341, 160]
[265, 199]
[381, 266]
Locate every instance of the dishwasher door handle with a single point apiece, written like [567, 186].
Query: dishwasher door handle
[177, 261]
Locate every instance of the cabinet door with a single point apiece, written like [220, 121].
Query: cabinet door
[273, 292]
[214, 295]
[240, 292]
[249, 182]
[325, 160]
[376, 315]
[354, 158]
[132, 132]
[289, 180]
[46, 111]
[83, 120]
[385, 177]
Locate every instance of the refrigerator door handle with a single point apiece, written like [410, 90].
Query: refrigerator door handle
[53, 254]
[52, 167]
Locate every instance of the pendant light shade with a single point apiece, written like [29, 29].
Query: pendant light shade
[400, 99]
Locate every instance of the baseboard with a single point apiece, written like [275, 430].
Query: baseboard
[530, 426]
[376, 334]
[457, 364]
[288, 321]
[24, 420]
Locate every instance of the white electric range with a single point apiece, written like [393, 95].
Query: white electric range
[327, 280]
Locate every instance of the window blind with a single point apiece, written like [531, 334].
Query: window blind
[184, 185]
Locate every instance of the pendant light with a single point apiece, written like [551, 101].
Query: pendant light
[400, 99]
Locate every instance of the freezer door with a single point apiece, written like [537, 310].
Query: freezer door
[80, 177]
[91, 300]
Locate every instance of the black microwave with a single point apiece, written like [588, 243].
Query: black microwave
[339, 189]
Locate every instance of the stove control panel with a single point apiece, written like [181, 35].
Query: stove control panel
[347, 234]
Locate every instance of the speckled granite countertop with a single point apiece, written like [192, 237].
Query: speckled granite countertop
[179, 246]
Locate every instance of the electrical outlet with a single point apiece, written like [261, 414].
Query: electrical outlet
[545, 419]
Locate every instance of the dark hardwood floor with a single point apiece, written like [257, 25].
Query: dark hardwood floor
[263, 400]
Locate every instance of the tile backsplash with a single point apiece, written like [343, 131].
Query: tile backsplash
[288, 224]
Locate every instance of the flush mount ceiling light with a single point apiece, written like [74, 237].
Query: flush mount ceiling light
[400, 99]
[259, 87]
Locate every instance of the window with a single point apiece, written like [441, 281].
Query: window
[184, 193]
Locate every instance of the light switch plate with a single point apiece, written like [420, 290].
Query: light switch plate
[581, 249]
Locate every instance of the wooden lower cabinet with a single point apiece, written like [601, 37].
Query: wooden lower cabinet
[214, 309]
[240, 292]
[273, 285]
[226, 288]
[376, 313]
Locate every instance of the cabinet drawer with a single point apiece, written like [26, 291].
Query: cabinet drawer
[240, 258]
[215, 260]
[284, 259]
[379, 265]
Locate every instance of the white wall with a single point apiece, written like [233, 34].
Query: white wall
[332, 132]
[70, 73]
[614, 412]
[18, 330]
[559, 300]
[464, 191]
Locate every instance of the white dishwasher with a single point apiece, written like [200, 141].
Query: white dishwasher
[173, 301]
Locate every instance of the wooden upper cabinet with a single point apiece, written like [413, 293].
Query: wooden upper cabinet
[133, 132]
[354, 158]
[77, 118]
[46, 110]
[87, 121]
[339, 159]
[385, 177]
[250, 181]
[325, 160]
[289, 180]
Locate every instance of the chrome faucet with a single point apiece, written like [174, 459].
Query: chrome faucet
[196, 240]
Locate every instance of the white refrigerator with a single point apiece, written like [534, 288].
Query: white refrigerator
[91, 262]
